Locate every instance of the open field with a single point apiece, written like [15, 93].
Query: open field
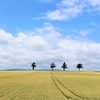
[47, 85]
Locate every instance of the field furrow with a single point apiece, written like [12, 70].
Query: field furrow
[80, 84]
[67, 89]
[47, 85]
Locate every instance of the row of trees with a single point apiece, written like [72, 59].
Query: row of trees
[64, 66]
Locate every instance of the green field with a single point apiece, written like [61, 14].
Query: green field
[47, 85]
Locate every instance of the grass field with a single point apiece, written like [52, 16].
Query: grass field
[47, 85]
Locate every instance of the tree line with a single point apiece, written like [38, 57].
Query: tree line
[64, 66]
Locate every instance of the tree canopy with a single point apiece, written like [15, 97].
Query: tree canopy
[52, 66]
[64, 66]
[33, 65]
[79, 66]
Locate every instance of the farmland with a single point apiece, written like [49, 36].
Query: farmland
[47, 85]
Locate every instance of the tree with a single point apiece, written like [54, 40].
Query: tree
[33, 65]
[52, 66]
[79, 66]
[64, 66]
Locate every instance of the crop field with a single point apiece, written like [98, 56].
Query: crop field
[49, 85]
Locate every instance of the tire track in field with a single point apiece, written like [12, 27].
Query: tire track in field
[60, 89]
[69, 89]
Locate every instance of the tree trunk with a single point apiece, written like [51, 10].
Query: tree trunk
[79, 69]
[52, 69]
[63, 69]
[33, 68]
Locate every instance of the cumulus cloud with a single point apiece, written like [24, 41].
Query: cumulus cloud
[44, 46]
[4, 36]
[68, 9]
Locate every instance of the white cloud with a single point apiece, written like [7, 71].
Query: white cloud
[63, 14]
[44, 46]
[68, 9]
[4, 36]
[95, 4]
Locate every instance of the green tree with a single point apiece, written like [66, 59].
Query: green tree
[64, 66]
[52, 66]
[33, 65]
[79, 66]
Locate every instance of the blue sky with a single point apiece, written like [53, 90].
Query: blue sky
[46, 31]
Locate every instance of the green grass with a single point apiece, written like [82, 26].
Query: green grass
[46, 85]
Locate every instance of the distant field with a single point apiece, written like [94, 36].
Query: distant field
[46, 85]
